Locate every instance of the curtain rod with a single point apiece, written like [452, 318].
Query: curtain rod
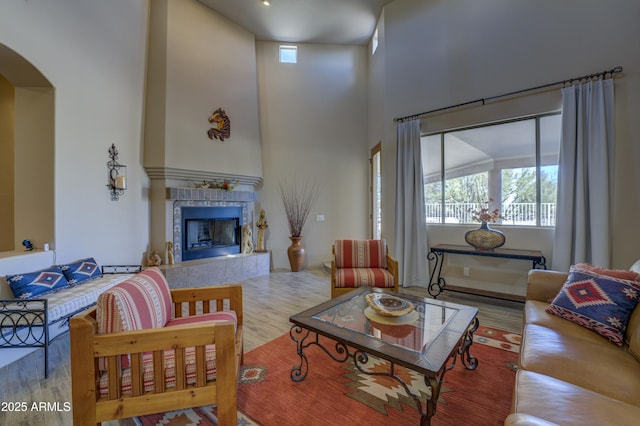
[602, 74]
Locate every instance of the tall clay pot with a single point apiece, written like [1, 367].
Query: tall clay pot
[296, 254]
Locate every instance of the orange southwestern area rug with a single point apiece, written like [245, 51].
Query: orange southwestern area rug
[337, 393]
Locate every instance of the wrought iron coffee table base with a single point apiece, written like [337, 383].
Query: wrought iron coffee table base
[305, 338]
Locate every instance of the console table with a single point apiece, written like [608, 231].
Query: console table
[437, 282]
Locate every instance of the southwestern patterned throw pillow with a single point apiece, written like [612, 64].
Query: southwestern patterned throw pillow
[32, 284]
[598, 302]
[82, 270]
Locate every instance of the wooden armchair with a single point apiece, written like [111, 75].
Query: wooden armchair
[356, 263]
[147, 349]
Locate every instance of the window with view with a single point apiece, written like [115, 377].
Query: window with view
[511, 165]
[376, 192]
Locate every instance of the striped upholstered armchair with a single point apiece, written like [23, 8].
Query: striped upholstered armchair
[356, 263]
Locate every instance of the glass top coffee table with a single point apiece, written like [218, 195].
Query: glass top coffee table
[423, 335]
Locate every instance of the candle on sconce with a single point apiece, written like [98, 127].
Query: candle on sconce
[121, 183]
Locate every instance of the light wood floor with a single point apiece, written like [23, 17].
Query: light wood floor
[269, 301]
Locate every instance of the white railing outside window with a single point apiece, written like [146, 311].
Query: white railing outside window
[514, 213]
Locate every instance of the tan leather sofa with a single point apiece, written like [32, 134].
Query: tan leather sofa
[568, 374]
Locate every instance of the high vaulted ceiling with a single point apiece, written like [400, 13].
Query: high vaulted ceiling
[304, 21]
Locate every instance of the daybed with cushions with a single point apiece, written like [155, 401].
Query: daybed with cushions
[146, 349]
[51, 296]
[580, 355]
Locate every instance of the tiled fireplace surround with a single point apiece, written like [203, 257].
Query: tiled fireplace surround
[215, 270]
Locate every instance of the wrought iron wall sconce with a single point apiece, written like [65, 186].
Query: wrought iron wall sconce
[117, 175]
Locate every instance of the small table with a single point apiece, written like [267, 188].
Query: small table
[437, 253]
[427, 340]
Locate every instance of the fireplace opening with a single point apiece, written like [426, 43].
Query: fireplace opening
[210, 232]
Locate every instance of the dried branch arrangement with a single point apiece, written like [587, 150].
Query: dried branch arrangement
[297, 198]
[483, 214]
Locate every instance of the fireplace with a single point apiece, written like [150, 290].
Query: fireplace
[210, 231]
[206, 204]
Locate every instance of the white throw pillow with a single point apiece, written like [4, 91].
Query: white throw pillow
[636, 267]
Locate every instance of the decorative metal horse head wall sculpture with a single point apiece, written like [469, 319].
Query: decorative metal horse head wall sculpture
[222, 127]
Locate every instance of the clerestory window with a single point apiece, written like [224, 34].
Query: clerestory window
[288, 54]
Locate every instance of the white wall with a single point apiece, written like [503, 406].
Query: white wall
[439, 53]
[208, 62]
[313, 119]
[93, 53]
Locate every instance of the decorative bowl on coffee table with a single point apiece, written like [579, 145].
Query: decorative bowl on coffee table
[388, 305]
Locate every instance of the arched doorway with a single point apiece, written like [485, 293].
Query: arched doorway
[27, 144]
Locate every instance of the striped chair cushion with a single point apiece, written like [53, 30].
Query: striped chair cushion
[169, 358]
[357, 277]
[143, 301]
[229, 316]
[361, 254]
